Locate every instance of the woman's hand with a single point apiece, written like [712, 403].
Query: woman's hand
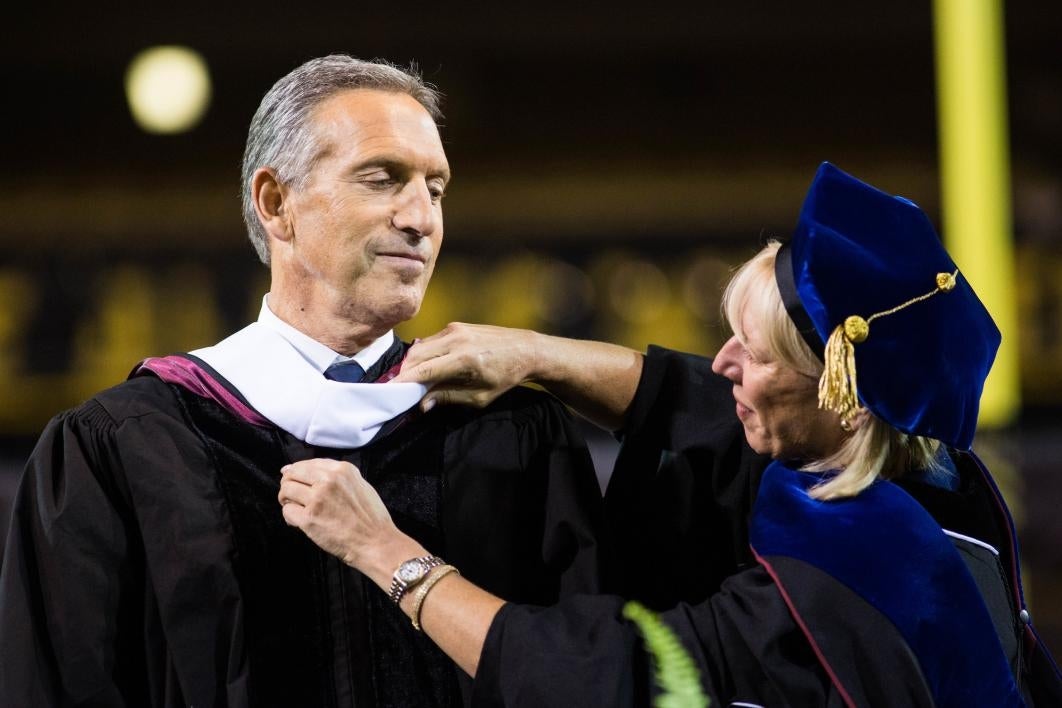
[474, 364]
[332, 503]
[471, 364]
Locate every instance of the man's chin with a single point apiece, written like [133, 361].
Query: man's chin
[388, 301]
[399, 310]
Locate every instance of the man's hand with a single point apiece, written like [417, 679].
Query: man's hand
[332, 503]
[470, 364]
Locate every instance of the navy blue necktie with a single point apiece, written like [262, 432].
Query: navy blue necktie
[345, 371]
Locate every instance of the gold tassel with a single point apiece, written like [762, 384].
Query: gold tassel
[838, 391]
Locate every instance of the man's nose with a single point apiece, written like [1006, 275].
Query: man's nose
[415, 213]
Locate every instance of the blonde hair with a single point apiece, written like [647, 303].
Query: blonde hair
[875, 449]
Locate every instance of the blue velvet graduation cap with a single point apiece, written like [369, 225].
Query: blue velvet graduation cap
[866, 274]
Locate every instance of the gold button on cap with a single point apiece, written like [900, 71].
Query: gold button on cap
[856, 329]
[945, 281]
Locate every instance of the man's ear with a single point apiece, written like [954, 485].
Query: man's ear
[269, 195]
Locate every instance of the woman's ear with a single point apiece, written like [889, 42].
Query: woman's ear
[268, 195]
[858, 419]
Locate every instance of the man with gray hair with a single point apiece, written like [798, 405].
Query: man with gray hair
[148, 561]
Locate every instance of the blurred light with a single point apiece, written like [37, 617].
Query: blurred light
[506, 291]
[168, 89]
[703, 287]
[638, 291]
[565, 294]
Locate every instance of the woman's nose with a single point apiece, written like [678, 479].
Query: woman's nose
[727, 361]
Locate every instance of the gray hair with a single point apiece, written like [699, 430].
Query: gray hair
[281, 137]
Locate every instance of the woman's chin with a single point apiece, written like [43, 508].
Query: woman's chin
[758, 444]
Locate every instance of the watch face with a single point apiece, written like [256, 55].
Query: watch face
[410, 570]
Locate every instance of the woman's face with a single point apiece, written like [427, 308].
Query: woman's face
[777, 404]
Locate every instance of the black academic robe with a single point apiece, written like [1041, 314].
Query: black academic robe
[683, 484]
[771, 613]
[148, 563]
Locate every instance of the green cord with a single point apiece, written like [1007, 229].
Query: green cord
[676, 674]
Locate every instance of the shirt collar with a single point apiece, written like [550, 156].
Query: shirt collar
[318, 355]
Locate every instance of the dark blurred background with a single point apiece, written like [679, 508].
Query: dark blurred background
[611, 163]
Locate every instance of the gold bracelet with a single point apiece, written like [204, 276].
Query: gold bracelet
[426, 585]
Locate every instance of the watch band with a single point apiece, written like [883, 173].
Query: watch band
[409, 573]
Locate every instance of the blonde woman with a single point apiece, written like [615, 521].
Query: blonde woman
[881, 567]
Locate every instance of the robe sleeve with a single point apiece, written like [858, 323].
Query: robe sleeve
[572, 546]
[524, 472]
[64, 580]
[683, 485]
[583, 652]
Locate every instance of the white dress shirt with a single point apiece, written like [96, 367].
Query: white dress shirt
[318, 355]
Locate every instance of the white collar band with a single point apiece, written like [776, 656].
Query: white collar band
[288, 390]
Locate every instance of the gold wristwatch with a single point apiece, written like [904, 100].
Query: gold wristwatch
[409, 574]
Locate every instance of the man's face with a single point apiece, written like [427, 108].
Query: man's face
[367, 226]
